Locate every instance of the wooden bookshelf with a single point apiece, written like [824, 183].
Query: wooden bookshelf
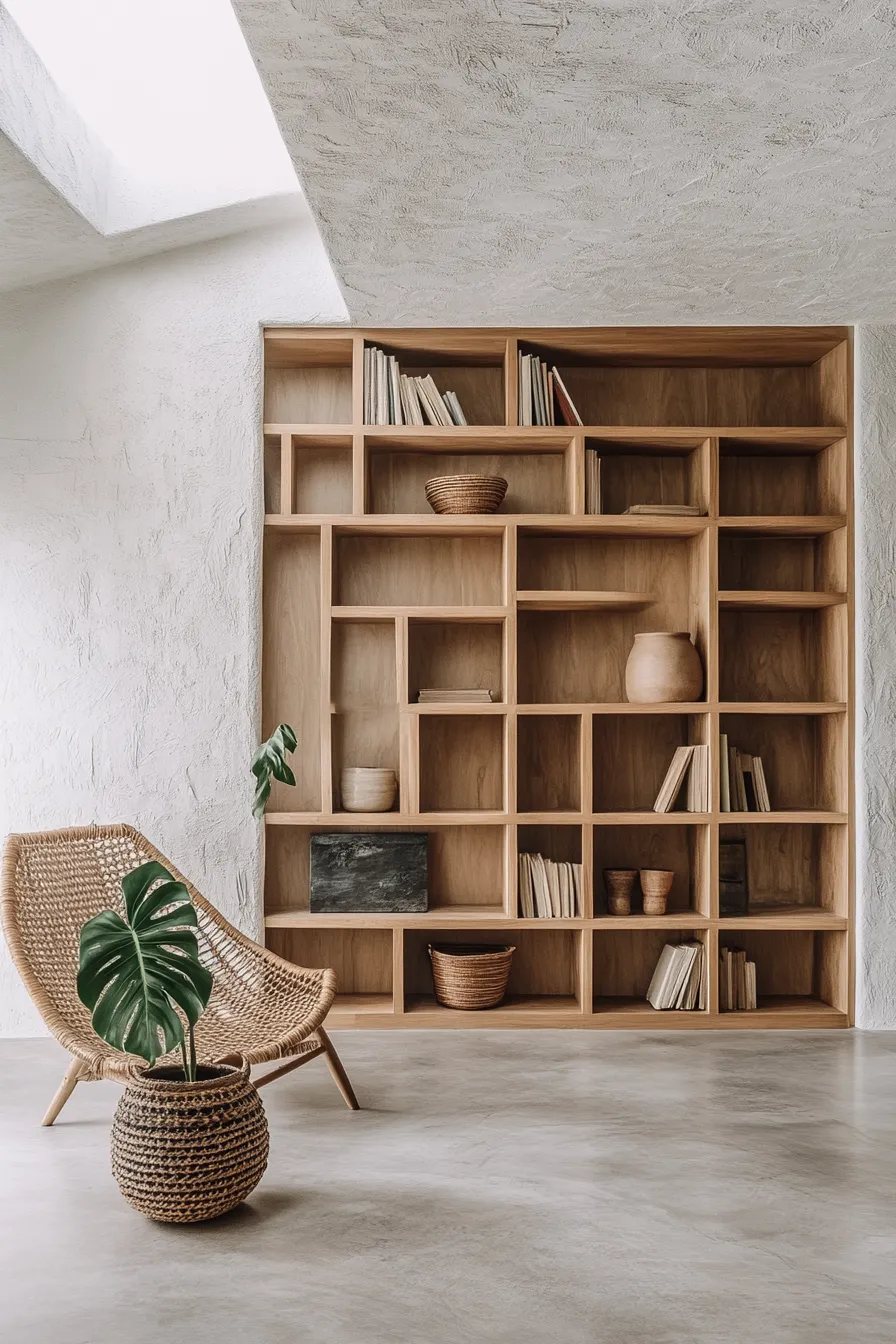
[368, 596]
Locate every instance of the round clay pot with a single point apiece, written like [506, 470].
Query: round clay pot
[184, 1152]
[619, 883]
[366, 789]
[656, 884]
[661, 667]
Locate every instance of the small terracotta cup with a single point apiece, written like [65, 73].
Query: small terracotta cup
[656, 884]
[619, 883]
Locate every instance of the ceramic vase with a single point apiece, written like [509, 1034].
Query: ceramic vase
[367, 789]
[656, 883]
[619, 883]
[663, 666]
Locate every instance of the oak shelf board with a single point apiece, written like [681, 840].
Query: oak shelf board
[612, 1004]
[310, 431]
[547, 600]
[781, 707]
[786, 917]
[795, 1006]
[484, 524]
[650, 818]
[615, 707]
[468, 439]
[490, 615]
[408, 820]
[783, 439]
[784, 816]
[452, 708]
[754, 599]
[363, 1003]
[770, 525]
[567, 817]
[544, 1006]
[481, 916]
[678, 919]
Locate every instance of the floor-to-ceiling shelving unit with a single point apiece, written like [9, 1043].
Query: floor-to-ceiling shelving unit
[368, 596]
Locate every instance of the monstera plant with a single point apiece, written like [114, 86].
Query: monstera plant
[136, 972]
[270, 760]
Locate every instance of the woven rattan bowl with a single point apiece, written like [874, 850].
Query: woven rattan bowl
[470, 975]
[465, 494]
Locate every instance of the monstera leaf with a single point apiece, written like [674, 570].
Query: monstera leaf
[269, 760]
[134, 971]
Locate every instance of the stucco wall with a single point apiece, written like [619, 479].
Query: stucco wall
[130, 519]
[876, 675]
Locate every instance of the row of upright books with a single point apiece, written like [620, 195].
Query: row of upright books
[549, 890]
[742, 788]
[395, 398]
[737, 981]
[543, 395]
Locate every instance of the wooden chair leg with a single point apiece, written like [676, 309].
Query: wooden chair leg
[66, 1088]
[334, 1064]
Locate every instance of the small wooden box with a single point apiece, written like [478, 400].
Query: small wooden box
[364, 872]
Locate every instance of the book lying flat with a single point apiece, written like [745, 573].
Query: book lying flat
[435, 696]
[667, 510]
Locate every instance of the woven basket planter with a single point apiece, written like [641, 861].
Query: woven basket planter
[186, 1152]
[465, 494]
[470, 975]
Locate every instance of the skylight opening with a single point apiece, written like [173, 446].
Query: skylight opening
[171, 89]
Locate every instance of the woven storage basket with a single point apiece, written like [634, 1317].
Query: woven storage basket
[185, 1152]
[465, 494]
[470, 975]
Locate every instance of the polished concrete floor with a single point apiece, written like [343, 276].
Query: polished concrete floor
[522, 1188]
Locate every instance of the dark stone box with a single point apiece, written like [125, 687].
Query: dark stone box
[369, 873]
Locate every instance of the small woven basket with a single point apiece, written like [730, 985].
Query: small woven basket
[470, 975]
[465, 494]
[184, 1152]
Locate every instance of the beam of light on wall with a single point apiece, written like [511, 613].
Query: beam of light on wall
[171, 89]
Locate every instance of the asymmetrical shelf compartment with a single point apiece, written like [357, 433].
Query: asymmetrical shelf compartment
[623, 962]
[370, 598]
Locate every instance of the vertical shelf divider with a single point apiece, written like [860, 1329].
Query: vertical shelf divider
[287, 477]
[326, 642]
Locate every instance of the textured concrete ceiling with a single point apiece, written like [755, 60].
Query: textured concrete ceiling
[560, 161]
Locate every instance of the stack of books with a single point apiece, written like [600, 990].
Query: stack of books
[549, 890]
[543, 395]
[737, 982]
[393, 398]
[592, 480]
[437, 696]
[678, 981]
[693, 762]
[667, 510]
[742, 784]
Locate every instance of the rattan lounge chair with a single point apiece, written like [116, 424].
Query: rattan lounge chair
[262, 1007]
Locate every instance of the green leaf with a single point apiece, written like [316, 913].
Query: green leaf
[134, 973]
[269, 760]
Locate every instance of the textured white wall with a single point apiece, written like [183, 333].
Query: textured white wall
[876, 675]
[130, 520]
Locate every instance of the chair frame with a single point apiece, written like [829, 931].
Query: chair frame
[93, 1059]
